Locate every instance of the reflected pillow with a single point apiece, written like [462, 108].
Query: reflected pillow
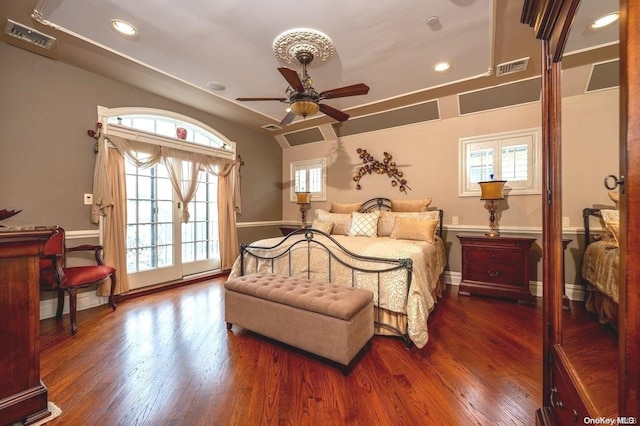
[364, 224]
[323, 226]
[407, 228]
[387, 219]
[611, 220]
[341, 222]
[345, 208]
[410, 205]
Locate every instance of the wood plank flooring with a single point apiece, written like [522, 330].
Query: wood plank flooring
[167, 359]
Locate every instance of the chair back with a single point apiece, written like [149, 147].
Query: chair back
[55, 245]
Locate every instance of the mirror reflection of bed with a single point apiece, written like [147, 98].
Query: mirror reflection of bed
[589, 337]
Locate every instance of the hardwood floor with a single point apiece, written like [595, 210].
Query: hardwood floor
[167, 359]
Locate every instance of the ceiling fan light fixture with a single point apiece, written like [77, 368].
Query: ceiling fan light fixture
[305, 108]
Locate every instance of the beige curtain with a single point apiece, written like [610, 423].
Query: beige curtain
[110, 190]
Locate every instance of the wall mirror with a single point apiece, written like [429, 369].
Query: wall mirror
[590, 152]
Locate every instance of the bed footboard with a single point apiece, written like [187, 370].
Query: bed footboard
[315, 255]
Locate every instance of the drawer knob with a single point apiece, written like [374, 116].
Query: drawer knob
[493, 274]
[493, 256]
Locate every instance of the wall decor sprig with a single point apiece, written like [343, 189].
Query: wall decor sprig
[386, 166]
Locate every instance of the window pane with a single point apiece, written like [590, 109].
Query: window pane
[145, 212]
[480, 164]
[515, 162]
[165, 211]
[166, 128]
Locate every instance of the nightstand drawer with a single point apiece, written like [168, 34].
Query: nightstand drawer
[483, 255]
[494, 273]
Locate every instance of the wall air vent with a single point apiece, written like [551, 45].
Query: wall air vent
[29, 35]
[512, 67]
[271, 127]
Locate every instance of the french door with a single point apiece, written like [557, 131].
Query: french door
[160, 247]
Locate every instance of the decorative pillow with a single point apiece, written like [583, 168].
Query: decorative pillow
[410, 205]
[407, 228]
[615, 197]
[387, 219]
[323, 226]
[341, 222]
[611, 220]
[345, 208]
[364, 224]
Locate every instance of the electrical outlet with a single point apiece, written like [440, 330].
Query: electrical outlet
[454, 220]
[88, 199]
[565, 222]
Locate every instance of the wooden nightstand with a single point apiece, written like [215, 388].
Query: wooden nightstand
[496, 266]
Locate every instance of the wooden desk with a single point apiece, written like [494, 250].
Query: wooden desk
[23, 396]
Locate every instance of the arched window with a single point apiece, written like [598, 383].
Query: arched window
[161, 244]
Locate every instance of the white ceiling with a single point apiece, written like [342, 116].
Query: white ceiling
[386, 44]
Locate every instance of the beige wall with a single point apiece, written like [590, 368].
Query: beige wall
[427, 153]
[47, 159]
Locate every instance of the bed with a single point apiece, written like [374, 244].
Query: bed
[600, 265]
[403, 268]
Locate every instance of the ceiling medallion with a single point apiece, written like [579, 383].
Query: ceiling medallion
[290, 43]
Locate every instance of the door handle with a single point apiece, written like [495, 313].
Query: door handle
[558, 404]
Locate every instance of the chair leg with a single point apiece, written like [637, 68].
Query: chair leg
[60, 303]
[73, 301]
[112, 301]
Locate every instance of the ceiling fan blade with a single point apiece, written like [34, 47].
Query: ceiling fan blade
[334, 113]
[262, 99]
[341, 92]
[288, 118]
[292, 78]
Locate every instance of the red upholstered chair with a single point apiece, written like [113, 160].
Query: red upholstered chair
[56, 276]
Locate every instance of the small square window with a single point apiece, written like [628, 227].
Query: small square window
[511, 156]
[309, 176]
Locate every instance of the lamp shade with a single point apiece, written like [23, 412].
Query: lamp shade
[492, 189]
[303, 197]
[304, 108]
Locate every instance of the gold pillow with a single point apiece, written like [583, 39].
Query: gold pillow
[323, 226]
[406, 228]
[611, 220]
[410, 205]
[615, 197]
[345, 208]
[341, 222]
[364, 224]
[387, 219]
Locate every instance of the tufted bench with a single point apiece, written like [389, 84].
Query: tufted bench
[329, 320]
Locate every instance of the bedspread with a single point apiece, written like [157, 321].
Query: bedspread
[600, 267]
[313, 262]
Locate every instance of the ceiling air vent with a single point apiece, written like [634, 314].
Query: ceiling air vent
[29, 35]
[271, 127]
[512, 67]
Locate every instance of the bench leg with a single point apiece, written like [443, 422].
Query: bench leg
[229, 325]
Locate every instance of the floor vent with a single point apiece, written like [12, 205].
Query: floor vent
[512, 67]
[29, 35]
[271, 127]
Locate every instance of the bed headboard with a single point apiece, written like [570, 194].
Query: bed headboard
[380, 203]
[586, 214]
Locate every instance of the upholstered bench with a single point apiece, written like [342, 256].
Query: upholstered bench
[329, 320]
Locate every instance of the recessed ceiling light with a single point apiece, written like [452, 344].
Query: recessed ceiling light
[442, 66]
[214, 85]
[605, 20]
[124, 28]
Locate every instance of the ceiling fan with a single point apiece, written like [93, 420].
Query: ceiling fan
[304, 99]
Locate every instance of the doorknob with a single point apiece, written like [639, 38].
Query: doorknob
[611, 182]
